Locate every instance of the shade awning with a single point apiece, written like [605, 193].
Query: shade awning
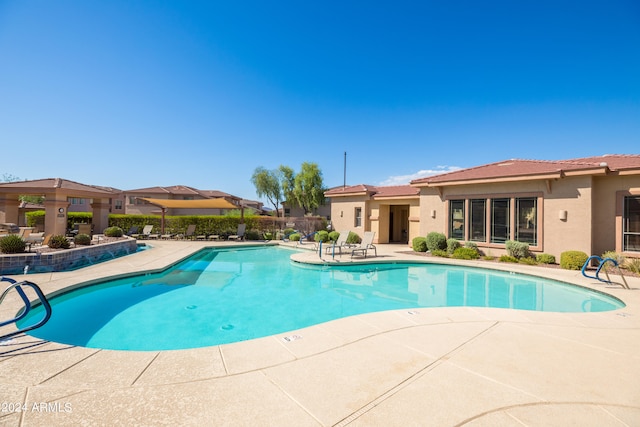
[217, 203]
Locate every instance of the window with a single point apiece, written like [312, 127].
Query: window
[358, 217]
[76, 201]
[118, 204]
[631, 224]
[477, 220]
[526, 221]
[456, 219]
[500, 231]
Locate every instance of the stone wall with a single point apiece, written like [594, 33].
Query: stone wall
[67, 259]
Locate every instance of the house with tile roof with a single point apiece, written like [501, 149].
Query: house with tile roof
[391, 211]
[134, 203]
[590, 204]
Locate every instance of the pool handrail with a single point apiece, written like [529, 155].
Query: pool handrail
[18, 287]
[602, 263]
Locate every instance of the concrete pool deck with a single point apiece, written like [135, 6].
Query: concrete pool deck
[428, 366]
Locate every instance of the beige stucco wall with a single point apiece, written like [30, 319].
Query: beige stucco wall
[375, 216]
[572, 194]
[590, 203]
[605, 235]
[343, 214]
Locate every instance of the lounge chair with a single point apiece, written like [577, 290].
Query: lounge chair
[34, 238]
[146, 232]
[190, 233]
[213, 237]
[239, 234]
[365, 245]
[133, 230]
[340, 243]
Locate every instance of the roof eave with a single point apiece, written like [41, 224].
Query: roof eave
[536, 177]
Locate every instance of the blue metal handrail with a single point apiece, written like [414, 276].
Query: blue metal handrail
[600, 266]
[27, 304]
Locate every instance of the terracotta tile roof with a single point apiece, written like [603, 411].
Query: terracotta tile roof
[396, 191]
[349, 190]
[529, 168]
[54, 184]
[373, 191]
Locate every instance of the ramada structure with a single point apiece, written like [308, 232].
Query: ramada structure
[589, 204]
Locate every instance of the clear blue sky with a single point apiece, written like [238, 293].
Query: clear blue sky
[133, 94]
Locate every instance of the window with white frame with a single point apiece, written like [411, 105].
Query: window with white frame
[358, 217]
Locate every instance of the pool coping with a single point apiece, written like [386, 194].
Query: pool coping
[398, 364]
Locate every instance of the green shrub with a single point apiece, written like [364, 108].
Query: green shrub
[288, 232]
[508, 258]
[488, 257]
[113, 232]
[253, 235]
[82, 239]
[465, 253]
[528, 260]
[295, 237]
[517, 249]
[546, 259]
[573, 260]
[58, 241]
[471, 245]
[633, 265]
[12, 244]
[419, 244]
[353, 238]
[440, 253]
[619, 258]
[321, 236]
[452, 245]
[333, 236]
[436, 241]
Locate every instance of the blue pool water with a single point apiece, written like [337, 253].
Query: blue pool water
[220, 296]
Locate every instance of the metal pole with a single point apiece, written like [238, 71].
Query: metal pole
[344, 182]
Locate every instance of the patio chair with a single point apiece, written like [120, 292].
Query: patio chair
[133, 230]
[239, 234]
[190, 233]
[365, 245]
[340, 243]
[146, 232]
[34, 238]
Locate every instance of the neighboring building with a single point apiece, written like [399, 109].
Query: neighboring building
[116, 203]
[588, 204]
[135, 205]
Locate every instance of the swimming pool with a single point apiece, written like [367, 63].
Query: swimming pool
[220, 296]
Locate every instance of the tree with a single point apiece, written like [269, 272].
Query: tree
[268, 184]
[288, 183]
[304, 189]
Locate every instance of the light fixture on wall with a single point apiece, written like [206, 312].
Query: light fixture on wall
[562, 215]
[433, 213]
[340, 214]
